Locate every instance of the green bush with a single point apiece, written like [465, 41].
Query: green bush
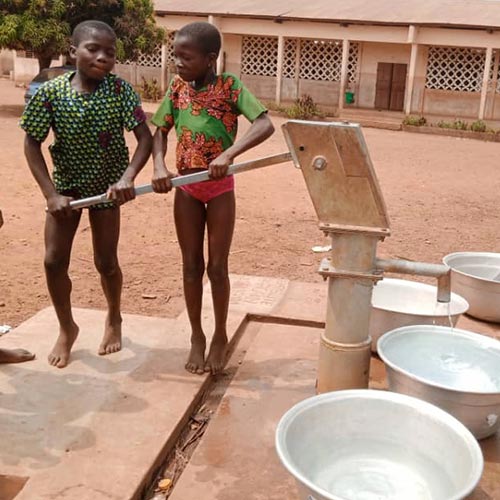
[443, 124]
[150, 90]
[456, 124]
[304, 108]
[460, 125]
[415, 121]
[478, 126]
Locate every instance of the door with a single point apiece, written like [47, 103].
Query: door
[398, 87]
[383, 87]
[391, 86]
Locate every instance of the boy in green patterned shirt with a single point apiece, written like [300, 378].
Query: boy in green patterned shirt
[203, 107]
[88, 110]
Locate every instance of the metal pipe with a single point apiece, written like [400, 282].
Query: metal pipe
[439, 271]
[183, 180]
[344, 358]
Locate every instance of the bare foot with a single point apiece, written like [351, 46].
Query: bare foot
[15, 355]
[216, 358]
[59, 356]
[196, 359]
[112, 340]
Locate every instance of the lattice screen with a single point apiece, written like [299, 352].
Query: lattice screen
[455, 68]
[320, 60]
[169, 49]
[290, 58]
[352, 63]
[259, 56]
[151, 60]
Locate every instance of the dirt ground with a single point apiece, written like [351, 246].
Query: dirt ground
[442, 195]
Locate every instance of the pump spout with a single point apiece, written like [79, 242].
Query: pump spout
[439, 271]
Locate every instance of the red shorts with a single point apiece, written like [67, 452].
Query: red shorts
[208, 190]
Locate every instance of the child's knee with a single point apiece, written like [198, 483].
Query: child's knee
[193, 272]
[217, 272]
[106, 267]
[55, 263]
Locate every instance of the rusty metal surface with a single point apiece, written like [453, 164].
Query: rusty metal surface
[346, 190]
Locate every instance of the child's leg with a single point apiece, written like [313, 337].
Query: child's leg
[105, 226]
[59, 235]
[220, 225]
[190, 216]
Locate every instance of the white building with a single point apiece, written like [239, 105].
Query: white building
[421, 57]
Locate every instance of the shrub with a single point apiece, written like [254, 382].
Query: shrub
[478, 126]
[456, 124]
[415, 121]
[460, 125]
[443, 124]
[304, 108]
[150, 90]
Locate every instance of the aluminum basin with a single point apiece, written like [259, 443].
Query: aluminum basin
[476, 276]
[397, 303]
[367, 444]
[456, 370]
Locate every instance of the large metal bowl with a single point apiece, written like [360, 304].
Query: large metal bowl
[367, 444]
[457, 370]
[397, 303]
[476, 276]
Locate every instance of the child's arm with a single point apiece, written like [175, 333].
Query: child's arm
[123, 190]
[258, 132]
[57, 204]
[161, 180]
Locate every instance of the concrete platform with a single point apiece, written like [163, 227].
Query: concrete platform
[236, 456]
[99, 428]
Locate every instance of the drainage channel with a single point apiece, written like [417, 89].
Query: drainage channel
[178, 454]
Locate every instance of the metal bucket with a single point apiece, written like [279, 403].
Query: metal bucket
[476, 276]
[457, 370]
[397, 303]
[367, 444]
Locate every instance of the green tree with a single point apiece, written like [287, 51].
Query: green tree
[44, 26]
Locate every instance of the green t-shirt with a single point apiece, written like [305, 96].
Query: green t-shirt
[205, 120]
[89, 152]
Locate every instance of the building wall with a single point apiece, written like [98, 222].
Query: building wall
[25, 69]
[6, 62]
[232, 53]
[451, 103]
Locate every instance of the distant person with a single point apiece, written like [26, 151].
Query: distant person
[14, 355]
[88, 110]
[203, 107]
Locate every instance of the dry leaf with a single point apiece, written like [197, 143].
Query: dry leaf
[165, 484]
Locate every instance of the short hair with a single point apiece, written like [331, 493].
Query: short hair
[205, 35]
[83, 30]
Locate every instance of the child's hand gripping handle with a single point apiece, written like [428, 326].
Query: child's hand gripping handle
[183, 180]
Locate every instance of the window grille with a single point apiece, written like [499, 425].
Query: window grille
[352, 63]
[320, 60]
[151, 60]
[455, 68]
[259, 56]
[290, 58]
[169, 49]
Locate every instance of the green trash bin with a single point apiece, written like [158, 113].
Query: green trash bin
[349, 97]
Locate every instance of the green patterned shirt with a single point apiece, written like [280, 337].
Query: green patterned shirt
[205, 120]
[89, 152]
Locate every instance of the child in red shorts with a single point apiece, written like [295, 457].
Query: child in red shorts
[203, 107]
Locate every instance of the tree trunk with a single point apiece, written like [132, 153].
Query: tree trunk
[44, 61]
